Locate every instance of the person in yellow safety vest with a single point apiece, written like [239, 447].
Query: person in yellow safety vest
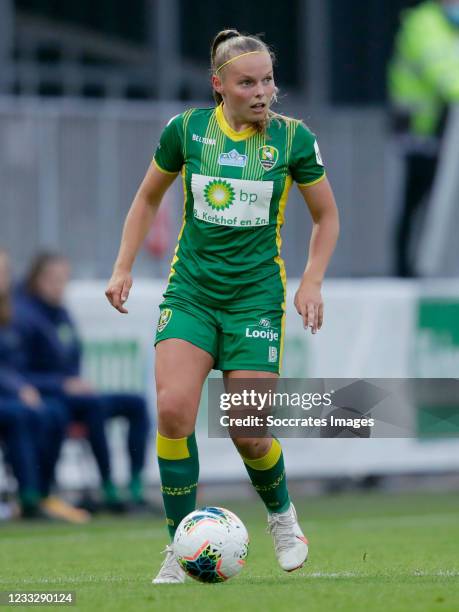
[423, 81]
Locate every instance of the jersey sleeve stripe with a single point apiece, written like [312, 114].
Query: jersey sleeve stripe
[186, 119]
[162, 169]
[321, 178]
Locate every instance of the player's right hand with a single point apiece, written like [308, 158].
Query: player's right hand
[118, 289]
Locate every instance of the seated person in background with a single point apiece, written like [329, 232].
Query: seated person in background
[16, 444]
[32, 427]
[53, 351]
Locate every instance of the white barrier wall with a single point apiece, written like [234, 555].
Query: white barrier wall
[372, 328]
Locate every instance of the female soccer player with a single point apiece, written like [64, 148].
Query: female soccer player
[238, 161]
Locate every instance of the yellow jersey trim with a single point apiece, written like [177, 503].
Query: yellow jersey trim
[282, 338]
[269, 460]
[278, 259]
[168, 448]
[175, 257]
[228, 130]
[162, 169]
[313, 182]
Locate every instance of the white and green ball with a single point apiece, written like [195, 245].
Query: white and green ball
[211, 544]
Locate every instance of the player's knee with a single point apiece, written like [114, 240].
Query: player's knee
[174, 410]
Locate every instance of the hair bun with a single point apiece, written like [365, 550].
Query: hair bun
[222, 37]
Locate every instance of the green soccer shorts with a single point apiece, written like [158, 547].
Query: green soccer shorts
[238, 339]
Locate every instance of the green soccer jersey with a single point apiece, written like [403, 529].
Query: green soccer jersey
[236, 186]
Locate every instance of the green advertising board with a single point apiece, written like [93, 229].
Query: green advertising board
[436, 355]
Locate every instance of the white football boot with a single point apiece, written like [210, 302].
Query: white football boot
[170, 571]
[289, 542]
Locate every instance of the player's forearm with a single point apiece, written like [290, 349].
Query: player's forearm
[323, 241]
[136, 226]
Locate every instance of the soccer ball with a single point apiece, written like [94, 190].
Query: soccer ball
[211, 544]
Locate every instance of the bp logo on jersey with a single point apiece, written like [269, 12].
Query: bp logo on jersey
[219, 194]
[164, 318]
[231, 202]
[268, 156]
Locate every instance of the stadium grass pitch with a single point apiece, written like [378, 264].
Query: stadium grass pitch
[368, 552]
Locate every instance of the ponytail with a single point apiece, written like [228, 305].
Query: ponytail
[220, 38]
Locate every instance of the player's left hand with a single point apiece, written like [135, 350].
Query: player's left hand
[118, 289]
[309, 304]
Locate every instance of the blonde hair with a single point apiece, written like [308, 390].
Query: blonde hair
[227, 45]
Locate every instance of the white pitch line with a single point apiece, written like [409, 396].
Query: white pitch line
[320, 575]
[440, 573]
[68, 579]
[333, 575]
[415, 573]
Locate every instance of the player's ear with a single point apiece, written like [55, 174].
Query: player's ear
[217, 83]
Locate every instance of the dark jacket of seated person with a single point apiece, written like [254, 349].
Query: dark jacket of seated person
[53, 348]
[53, 363]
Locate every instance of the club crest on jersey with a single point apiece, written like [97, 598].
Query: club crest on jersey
[164, 318]
[233, 158]
[268, 156]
